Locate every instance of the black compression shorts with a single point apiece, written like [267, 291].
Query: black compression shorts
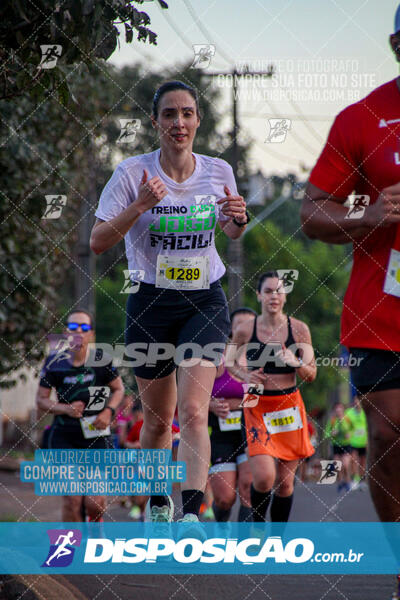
[340, 450]
[227, 454]
[60, 437]
[228, 448]
[375, 370]
[176, 317]
[361, 451]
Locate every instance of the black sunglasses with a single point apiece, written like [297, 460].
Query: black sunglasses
[74, 326]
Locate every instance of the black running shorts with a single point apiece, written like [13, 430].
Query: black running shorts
[340, 450]
[65, 437]
[227, 454]
[374, 370]
[174, 318]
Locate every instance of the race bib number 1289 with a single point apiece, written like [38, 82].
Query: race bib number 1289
[183, 273]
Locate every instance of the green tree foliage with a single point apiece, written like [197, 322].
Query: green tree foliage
[53, 142]
[83, 29]
[46, 149]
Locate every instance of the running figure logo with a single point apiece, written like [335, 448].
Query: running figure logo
[133, 277]
[204, 205]
[129, 128]
[254, 432]
[330, 471]
[50, 54]
[61, 551]
[62, 346]
[278, 129]
[98, 397]
[203, 54]
[251, 394]
[356, 205]
[54, 207]
[288, 277]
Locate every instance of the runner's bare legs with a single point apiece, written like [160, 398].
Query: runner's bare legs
[383, 416]
[194, 392]
[159, 403]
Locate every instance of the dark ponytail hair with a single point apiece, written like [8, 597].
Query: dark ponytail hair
[170, 86]
[265, 276]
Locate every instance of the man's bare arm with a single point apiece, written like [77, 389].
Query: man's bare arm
[323, 218]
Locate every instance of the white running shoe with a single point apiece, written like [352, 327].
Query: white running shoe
[160, 514]
[161, 517]
[135, 513]
[260, 530]
[223, 529]
[191, 527]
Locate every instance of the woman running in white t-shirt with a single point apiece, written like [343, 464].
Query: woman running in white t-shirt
[166, 204]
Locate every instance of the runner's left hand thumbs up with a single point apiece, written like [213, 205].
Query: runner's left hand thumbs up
[233, 206]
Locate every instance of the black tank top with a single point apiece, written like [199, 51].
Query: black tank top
[270, 363]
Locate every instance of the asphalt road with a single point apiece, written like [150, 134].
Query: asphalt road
[235, 587]
[312, 503]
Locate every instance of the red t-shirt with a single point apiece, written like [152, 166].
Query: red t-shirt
[134, 432]
[362, 154]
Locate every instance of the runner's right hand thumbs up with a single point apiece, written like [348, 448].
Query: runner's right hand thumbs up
[144, 177]
[151, 192]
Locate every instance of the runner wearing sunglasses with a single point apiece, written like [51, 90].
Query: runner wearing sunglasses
[74, 326]
[167, 204]
[82, 419]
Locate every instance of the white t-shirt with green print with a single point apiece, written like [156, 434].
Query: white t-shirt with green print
[183, 223]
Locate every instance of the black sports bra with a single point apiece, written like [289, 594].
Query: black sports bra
[270, 363]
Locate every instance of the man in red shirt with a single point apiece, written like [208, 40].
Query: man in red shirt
[133, 437]
[362, 157]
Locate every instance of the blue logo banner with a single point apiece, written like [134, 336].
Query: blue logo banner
[102, 472]
[208, 548]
